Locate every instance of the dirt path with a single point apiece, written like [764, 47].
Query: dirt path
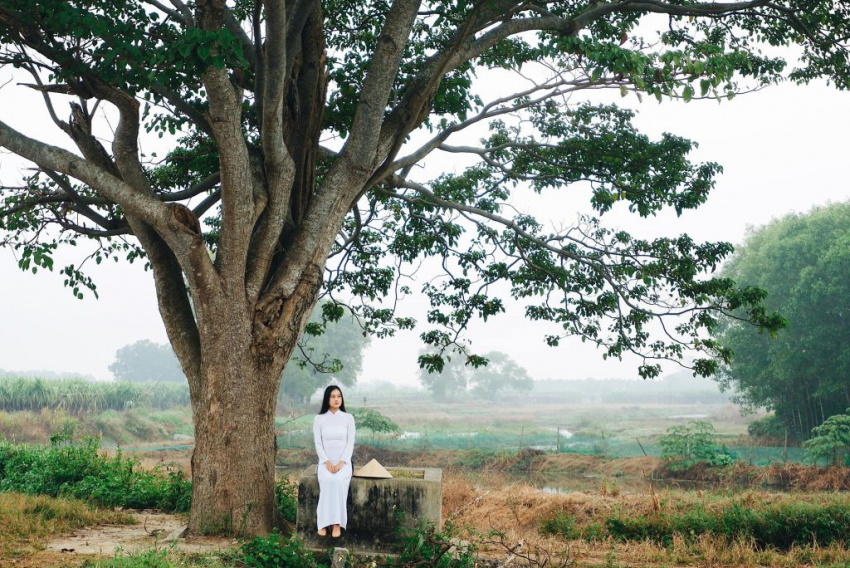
[153, 529]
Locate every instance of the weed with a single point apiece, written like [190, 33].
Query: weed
[25, 520]
[276, 550]
[781, 527]
[68, 468]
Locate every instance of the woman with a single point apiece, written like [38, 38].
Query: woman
[333, 433]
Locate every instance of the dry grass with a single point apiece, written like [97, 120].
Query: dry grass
[516, 511]
[26, 522]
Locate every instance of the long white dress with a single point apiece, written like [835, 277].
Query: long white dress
[333, 434]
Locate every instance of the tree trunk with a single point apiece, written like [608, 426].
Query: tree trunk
[233, 404]
[233, 464]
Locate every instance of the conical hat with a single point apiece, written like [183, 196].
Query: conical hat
[373, 469]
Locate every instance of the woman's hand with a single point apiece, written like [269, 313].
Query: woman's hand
[334, 468]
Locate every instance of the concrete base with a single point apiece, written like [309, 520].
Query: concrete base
[378, 509]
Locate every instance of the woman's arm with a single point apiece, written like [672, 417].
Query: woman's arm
[317, 439]
[349, 440]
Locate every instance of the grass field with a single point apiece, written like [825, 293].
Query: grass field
[571, 476]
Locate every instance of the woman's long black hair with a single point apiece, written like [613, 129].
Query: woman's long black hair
[326, 399]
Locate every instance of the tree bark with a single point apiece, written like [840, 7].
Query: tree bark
[233, 463]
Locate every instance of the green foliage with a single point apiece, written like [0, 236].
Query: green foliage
[830, 440]
[164, 557]
[144, 361]
[770, 427]
[275, 550]
[782, 527]
[682, 447]
[561, 524]
[801, 261]
[78, 469]
[286, 498]
[427, 546]
[370, 419]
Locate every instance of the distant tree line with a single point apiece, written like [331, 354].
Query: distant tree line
[327, 351]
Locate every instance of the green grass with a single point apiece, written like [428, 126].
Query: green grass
[780, 526]
[167, 557]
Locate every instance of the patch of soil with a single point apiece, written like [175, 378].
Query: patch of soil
[153, 529]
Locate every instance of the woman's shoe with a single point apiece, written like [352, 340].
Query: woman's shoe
[323, 532]
[337, 532]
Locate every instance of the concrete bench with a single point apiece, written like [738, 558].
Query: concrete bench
[377, 509]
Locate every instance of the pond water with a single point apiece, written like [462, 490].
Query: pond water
[561, 484]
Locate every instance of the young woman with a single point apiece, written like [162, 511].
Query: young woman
[333, 433]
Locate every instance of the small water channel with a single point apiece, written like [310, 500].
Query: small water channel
[563, 484]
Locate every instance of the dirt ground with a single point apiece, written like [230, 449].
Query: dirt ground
[153, 529]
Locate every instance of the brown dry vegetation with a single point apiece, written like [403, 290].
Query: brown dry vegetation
[27, 522]
[516, 511]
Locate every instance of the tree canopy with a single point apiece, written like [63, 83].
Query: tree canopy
[803, 374]
[292, 131]
[146, 361]
[500, 373]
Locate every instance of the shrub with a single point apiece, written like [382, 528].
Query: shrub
[275, 550]
[562, 524]
[770, 427]
[426, 546]
[682, 447]
[286, 497]
[830, 440]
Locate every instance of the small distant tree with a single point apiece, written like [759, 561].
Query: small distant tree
[446, 383]
[830, 440]
[146, 361]
[489, 376]
[330, 347]
[374, 421]
[500, 374]
[683, 447]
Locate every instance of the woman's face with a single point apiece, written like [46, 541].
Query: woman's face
[336, 400]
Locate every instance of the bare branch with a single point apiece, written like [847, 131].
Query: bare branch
[201, 187]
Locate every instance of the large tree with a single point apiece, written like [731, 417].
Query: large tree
[803, 374]
[293, 130]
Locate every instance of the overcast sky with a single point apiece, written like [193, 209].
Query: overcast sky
[783, 150]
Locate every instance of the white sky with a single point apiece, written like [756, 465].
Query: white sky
[783, 150]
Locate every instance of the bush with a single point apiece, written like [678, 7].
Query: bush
[66, 468]
[426, 546]
[830, 440]
[276, 550]
[562, 524]
[770, 427]
[286, 497]
[682, 447]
